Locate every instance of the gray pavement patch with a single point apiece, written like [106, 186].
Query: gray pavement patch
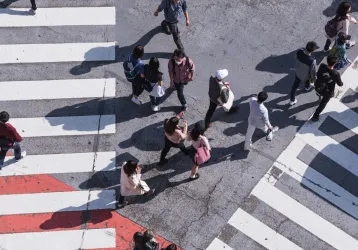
[56, 3]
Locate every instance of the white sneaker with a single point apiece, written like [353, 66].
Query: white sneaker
[32, 11]
[156, 108]
[293, 102]
[352, 43]
[23, 154]
[136, 101]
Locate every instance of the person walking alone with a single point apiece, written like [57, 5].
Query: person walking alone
[305, 69]
[9, 138]
[340, 23]
[258, 118]
[181, 72]
[219, 94]
[327, 78]
[174, 137]
[173, 12]
[155, 78]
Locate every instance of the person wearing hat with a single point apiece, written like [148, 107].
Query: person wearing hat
[306, 69]
[340, 50]
[219, 94]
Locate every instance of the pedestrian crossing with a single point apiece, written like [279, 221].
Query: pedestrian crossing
[39, 211]
[318, 169]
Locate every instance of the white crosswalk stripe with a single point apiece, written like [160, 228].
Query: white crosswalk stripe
[331, 187]
[41, 196]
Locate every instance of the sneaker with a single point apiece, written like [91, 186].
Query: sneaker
[314, 119]
[233, 110]
[32, 12]
[156, 108]
[136, 101]
[23, 154]
[150, 192]
[293, 102]
[195, 177]
[184, 108]
[326, 50]
[309, 87]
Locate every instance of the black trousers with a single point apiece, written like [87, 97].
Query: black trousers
[137, 86]
[168, 145]
[173, 27]
[295, 86]
[322, 105]
[180, 91]
[33, 5]
[210, 113]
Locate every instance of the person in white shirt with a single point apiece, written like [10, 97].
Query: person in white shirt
[258, 118]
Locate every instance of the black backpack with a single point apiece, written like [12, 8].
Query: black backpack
[331, 27]
[322, 82]
[187, 64]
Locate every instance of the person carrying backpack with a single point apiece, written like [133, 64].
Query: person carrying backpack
[181, 71]
[340, 23]
[134, 72]
[9, 138]
[219, 94]
[173, 12]
[327, 78]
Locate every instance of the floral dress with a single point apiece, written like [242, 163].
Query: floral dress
[340, 51]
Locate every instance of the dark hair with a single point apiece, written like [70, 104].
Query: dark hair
[4, 117]
[171, 125]
[130, 167]
[138, 51]
[198, 130]
[154, 63]
[179, 53]
[171, 247]
[262, 96]
[332, 60]
[342, 10]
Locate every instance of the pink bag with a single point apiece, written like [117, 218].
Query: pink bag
[202, 155]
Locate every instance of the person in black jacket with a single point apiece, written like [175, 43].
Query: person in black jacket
[218, 94]
[327, 78]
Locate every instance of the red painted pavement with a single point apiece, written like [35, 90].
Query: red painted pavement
[125, 228]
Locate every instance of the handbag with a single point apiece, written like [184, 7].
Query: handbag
[157, 91]
[202, 155]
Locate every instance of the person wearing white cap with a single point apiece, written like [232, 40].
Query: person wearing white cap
[219, 94]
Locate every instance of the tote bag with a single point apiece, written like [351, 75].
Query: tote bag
[202, 155]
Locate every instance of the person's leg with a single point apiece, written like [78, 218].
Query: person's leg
[3, 152]
[176, 35]
[17, 150]
[321, 106]
[182, 147]
[210, 113]
[165, 27]
[180, 91]
[152, 100]
[163, 154]
[294, 88]
[33, 4]
[328, 43]
[194, 172]
[250, 131]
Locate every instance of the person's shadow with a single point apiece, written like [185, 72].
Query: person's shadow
[121, 53]
[331, 10]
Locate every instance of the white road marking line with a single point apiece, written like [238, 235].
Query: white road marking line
[59, 163]
[61, 240]
[64, 126]
[260, 233]
[314, 180]
[56, 202]
[19, 17]
[218, 245]
[64, 52]
[303, 216]
[57, 89]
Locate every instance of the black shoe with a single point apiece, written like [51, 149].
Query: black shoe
[233, 110]
[184, 108]
[196, 176]
[314, 119]
[150, 192]
[161, 163]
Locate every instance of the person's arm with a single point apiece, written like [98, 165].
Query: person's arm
[141, 69]
[192, 66]
[313, 72]
[206, 142]
[171, 75]
[338, 79]
[345, 26]
[185, 10]
[16, 135]
[352, 19]
[266, 119]
[160, 8]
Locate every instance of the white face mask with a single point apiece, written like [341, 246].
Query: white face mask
[178, 63]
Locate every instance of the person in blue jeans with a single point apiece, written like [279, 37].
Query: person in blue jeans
[9, 138]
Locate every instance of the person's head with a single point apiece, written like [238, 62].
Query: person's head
[199, 129]
[343, 9]
[221, 74]
[171, 125]
[332, 60]
[154, 63]
[261, 97]
[138, 52]
[178, 56]
[311, 46]
[130, 168]
[343, 37]
[4, 117]
[171, 247]
[176, 1]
